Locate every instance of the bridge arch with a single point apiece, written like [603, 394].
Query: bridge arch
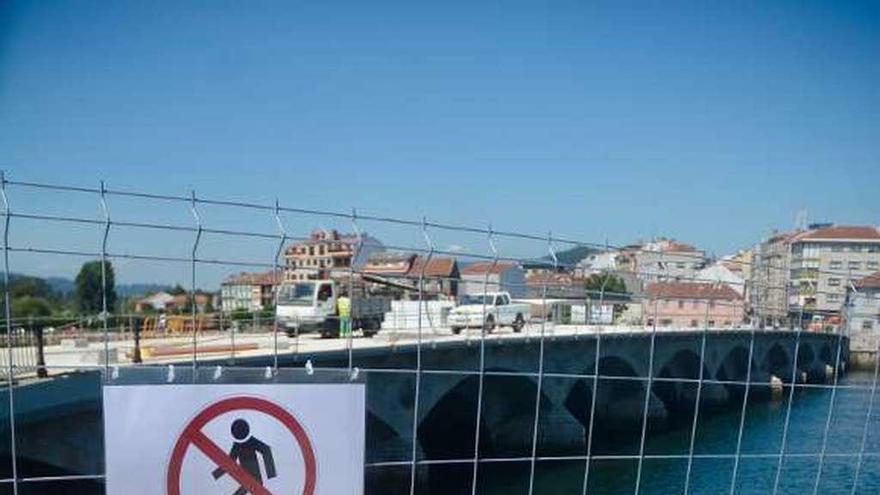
[679, 397]
[777, 362]
[734, 370]
[620, 400]
[805, 359]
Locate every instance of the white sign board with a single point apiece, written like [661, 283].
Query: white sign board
[300, 439]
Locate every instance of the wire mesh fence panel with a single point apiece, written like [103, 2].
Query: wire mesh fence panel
[495, 361]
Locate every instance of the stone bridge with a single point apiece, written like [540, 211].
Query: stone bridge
[56, 416]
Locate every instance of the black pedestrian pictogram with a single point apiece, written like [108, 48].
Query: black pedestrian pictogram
[244, 452]
[249, 477]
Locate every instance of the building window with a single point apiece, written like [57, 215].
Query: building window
[711, 323]
[854, 265]
[680, 304]
[833, 298]
[650, 322]
[693, 323]
[833, 282]
[837, 248]
[836, 265]
[666, 323]
[867, 325]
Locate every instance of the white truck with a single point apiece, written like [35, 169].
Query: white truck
[488, 311]
[310, 306]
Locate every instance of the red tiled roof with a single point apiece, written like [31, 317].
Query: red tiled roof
[679, 247]
[691, 290]
[438, 266]
[872, 281]
[866, 232]
[482, 267]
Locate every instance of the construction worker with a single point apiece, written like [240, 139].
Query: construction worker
[343, 309]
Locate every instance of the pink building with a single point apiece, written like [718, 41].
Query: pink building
[692, 305]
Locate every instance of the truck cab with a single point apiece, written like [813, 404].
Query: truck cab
[310, 306]
[305, 306]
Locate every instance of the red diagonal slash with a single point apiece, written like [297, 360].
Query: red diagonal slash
[192, 435]
[231, 467]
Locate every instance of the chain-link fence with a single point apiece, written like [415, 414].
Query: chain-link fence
[497, 361]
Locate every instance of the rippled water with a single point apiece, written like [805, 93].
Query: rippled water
[717, 436]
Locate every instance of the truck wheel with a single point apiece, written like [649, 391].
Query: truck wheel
[490, 324]
[518, 323]
[456, 330]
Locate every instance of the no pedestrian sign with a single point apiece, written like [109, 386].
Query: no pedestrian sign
[299, 439]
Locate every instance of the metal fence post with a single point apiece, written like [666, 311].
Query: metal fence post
[415, 425]
[354, 256]
[104, 313]
[277, 279]
[7, 214]
[535, 425]
[194, 261]
[482, 371]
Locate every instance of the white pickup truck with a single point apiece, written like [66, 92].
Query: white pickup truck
[488, 310]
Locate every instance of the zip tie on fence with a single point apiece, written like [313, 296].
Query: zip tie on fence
[355, 372]
[170, 376]
[310, 370]
[218, 372]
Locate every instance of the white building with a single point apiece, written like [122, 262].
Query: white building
[501, 276]
[597, 263]
[719, 273]
[863, 321]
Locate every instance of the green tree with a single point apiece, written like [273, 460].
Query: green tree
[241, 314]
[30, 307]
[31, 286]
[611, 286]
[606, 282]
[90, 289]
[177, 290]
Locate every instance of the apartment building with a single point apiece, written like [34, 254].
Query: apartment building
[826, 260]
[667, 259]
[326, 253]
[769, 280]
[863, 314]
[249, 291]
[692, 305]
[804, 273]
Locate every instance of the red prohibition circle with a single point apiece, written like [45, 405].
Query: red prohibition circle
[192, 433]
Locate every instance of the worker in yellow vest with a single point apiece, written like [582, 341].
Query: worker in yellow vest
[343, 309]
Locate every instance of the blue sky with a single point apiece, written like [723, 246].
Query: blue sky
[596, 120]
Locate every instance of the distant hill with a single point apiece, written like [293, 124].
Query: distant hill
[571, 256]
[65, 286]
